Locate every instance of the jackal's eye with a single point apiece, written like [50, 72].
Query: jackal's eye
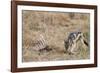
[79, 32]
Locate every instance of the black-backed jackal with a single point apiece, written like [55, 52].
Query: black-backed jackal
[71, 41]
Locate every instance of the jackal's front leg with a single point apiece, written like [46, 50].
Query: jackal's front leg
[72, 49]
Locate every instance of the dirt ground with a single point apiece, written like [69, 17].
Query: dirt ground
[55, 27]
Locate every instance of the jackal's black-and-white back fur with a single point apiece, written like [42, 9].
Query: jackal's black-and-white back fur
[71, 41]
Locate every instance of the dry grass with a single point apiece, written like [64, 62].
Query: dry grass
[55, 27]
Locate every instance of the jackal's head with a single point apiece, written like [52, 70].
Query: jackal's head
[79, 35]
